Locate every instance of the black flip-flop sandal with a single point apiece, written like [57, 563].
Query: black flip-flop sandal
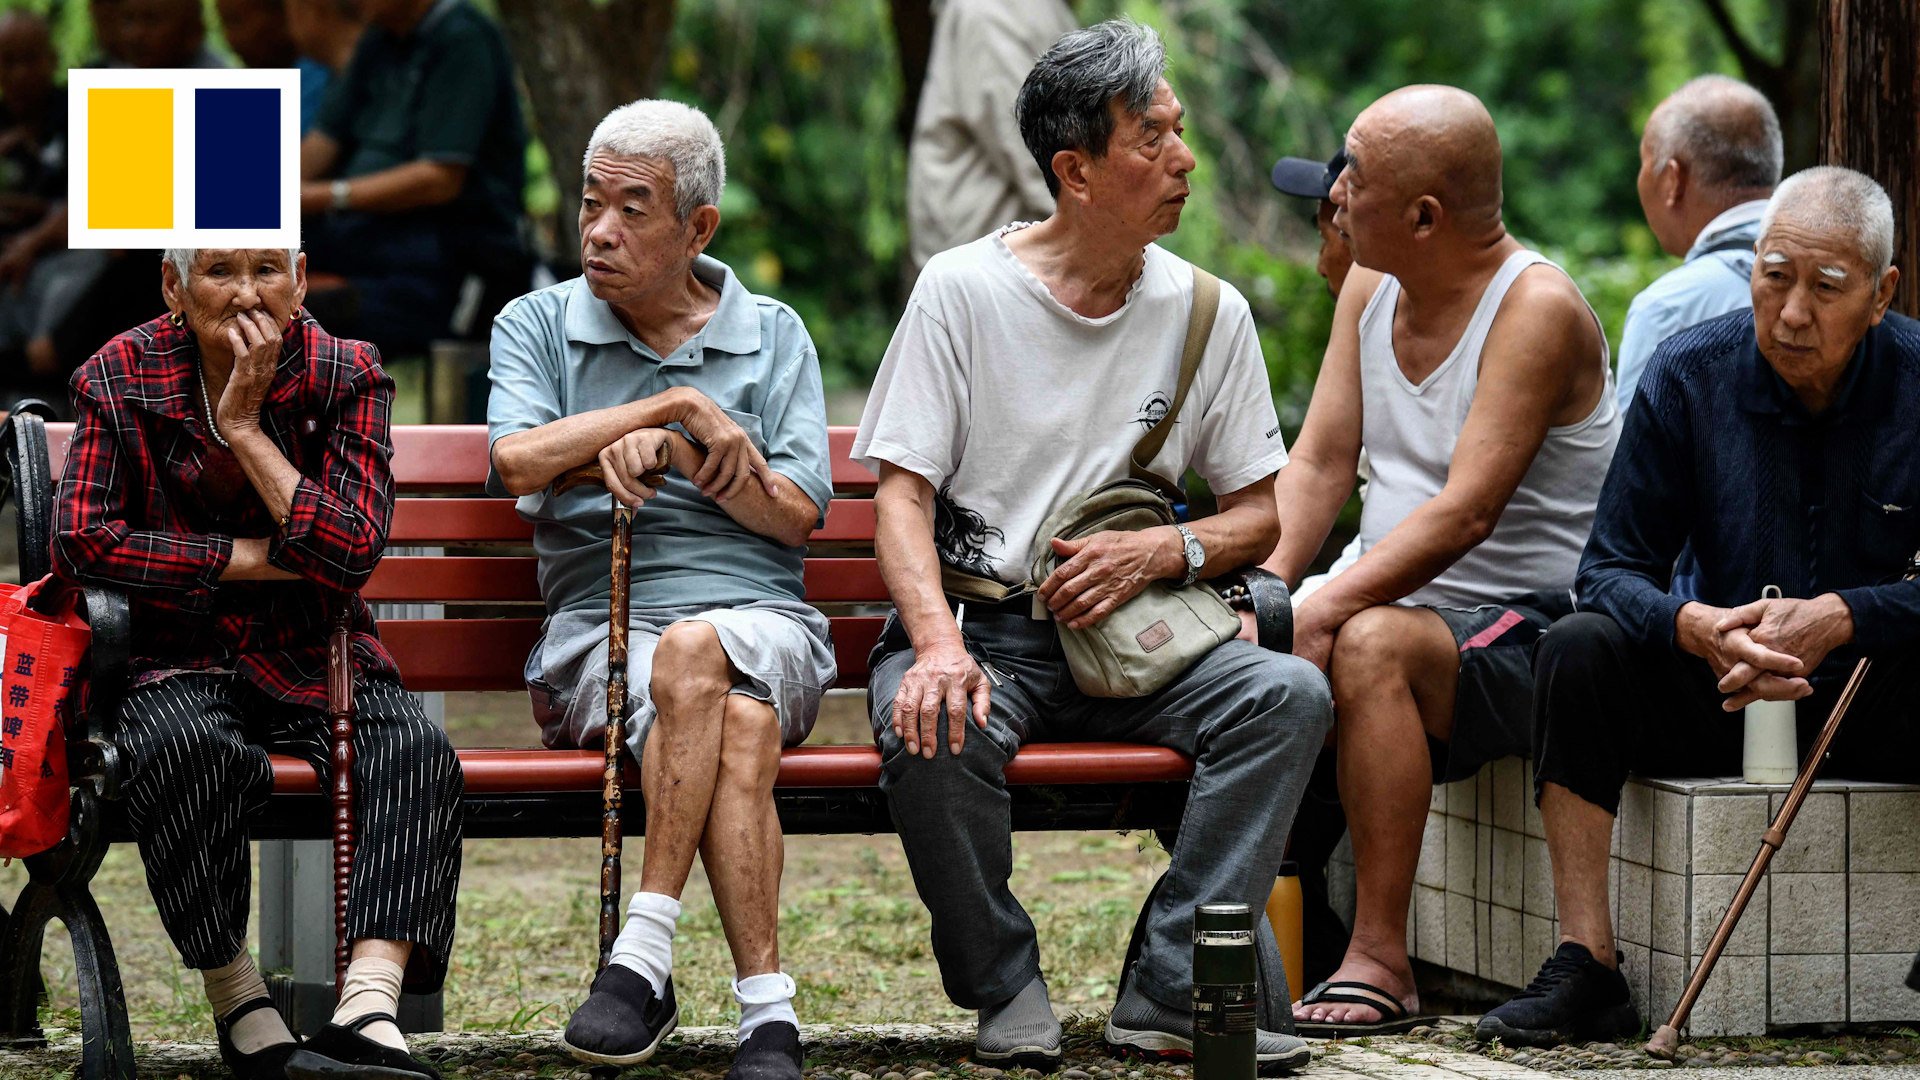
[1394, 1017]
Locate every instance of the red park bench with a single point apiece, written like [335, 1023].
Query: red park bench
[484, 580]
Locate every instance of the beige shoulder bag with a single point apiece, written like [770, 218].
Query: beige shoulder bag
[1147, 642]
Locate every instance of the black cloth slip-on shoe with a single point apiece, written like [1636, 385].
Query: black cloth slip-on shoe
[623, 1021]
[341, 1052]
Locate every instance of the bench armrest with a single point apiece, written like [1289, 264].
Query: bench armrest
[1266, 595]
[28, 479]
[93, 758]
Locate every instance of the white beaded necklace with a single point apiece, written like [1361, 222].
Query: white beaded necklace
[213, 425]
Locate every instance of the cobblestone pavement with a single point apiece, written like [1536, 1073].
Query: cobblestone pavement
[939, 1052]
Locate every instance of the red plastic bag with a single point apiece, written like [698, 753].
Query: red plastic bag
[39, 684]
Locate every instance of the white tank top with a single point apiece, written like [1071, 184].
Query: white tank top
[1409, 431]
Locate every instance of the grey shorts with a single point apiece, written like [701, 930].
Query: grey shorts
[783, 652]
[1493, 701]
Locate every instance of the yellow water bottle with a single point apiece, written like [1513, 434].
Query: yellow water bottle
[1284, 915]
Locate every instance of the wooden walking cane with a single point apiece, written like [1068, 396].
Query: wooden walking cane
[340, 721]
[1667, 1039]
[620, 577]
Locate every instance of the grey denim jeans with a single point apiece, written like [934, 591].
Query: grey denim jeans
[1252, 720]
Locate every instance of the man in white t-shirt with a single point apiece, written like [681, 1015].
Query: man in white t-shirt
[1027, 366]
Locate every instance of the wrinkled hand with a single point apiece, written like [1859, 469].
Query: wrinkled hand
[1101, 572]
[255, 341]
[943, 681]
[732, 461]
[633, 465]
[1806, 630]
[1313, 632]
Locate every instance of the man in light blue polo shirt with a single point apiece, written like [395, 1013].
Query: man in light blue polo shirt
[657, 358]
[1709, 159]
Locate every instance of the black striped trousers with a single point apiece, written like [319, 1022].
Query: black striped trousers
[196, 748]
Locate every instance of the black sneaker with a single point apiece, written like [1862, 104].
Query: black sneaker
[772, 1052]
[1574, 998]
[341, 1052]
[269, 1063]
[623, 1021]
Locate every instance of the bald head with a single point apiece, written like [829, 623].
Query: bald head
[1432, 140]
[22, 29]
[26, 61]
[1725, 133]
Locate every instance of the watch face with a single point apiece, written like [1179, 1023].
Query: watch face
[1196, 555]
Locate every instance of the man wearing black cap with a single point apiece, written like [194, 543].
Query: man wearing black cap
[1308, 179]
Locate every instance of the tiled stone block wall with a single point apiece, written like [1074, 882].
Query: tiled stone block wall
[1827, 939]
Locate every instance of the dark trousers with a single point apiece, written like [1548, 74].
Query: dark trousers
[196, 748]
[1605, 705]
[1252, 720]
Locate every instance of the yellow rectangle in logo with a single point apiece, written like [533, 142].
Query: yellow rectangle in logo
[129, 159]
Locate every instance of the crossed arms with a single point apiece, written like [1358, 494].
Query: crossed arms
[628, 441]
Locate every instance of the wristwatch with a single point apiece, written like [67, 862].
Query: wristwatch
[1196, 555]
[339, 191]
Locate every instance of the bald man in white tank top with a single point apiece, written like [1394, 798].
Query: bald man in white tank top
[1476, 375]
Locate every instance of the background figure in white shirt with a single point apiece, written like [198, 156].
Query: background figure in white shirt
[968, 172]
[1709, 159]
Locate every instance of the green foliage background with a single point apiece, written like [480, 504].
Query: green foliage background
[807, 93]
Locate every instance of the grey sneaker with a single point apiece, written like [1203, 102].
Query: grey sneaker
[1142, 1024]
[1022, 1031]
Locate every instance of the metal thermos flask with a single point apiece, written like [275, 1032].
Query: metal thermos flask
[1226, 992]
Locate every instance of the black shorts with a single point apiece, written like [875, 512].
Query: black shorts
[1493, 703]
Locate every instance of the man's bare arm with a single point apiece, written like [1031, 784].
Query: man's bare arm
[318, 154]
[1533, 363]
[1322, 466]
[408, 186]
[944, 680]
[527, 461]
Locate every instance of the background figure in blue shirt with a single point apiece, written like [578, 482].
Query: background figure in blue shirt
[1782, 449]
[1709, 158]
[656, 359]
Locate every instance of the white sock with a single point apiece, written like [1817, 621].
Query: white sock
[764, 999]
[645, 944]
[234, 985]
[372, 986]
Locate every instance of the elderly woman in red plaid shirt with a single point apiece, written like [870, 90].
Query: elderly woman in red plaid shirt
[230, 473]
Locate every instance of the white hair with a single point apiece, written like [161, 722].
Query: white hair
[1725, 130]
[682, 134]
[182, 259]
[1829, 199]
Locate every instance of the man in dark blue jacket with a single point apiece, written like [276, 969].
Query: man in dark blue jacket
[1782, 447]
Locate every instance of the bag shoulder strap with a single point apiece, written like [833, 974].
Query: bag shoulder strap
[1206, 304]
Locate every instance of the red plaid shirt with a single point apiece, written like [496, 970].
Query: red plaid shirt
[150, 505]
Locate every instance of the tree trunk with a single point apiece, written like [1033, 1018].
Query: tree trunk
[581, 59]
[1870, 114]
[913, 37]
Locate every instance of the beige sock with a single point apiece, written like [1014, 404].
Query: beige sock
[234, 985]
[373, 986]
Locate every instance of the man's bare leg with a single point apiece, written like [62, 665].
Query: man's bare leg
[1394, 671]
[744, 850]
[681, 761]
[1579, 841]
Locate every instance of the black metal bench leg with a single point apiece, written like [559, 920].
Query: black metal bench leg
[58, 890]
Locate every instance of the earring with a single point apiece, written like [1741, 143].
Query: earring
[174, 318]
